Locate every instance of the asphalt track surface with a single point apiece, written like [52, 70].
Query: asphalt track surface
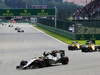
[15, 47]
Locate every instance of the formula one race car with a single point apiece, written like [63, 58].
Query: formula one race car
[76, 46]
[3, 24]
[46, 60]
[90, 48]
[17, 28]
[20, 30]
[10, 25]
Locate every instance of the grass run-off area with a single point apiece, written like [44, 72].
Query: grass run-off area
[64, 39]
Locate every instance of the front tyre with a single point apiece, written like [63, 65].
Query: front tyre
[64, 60]
[22, 30]
[22, 63]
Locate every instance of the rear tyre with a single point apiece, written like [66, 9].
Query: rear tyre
[64, 60]
[70, 48]
[83, 50]
[22, 30]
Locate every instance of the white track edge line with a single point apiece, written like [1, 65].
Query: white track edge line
[51, 36]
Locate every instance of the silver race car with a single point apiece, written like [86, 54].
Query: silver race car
[10, 25]
[17, 28]
[46, 60]
[20, 30]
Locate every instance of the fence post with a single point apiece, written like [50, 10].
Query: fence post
[76, 27]
[55, 17]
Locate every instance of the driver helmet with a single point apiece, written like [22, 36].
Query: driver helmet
[45, 53]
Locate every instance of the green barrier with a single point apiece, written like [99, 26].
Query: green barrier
[89, 23]
[69, 34]
[23, 22]
[58, 31]
[89, 30]
[88, 36]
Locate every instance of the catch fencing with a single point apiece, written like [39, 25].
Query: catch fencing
[76, 29]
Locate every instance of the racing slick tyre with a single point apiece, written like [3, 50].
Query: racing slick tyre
[40, 63]
[22, 63]
[84, 49]
[70, 48]
[15, 28]
[22, 30]
[64, 60]
[95, 49]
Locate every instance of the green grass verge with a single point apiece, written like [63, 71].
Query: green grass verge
[64, 39]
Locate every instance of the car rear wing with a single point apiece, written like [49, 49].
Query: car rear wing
[62, 52]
